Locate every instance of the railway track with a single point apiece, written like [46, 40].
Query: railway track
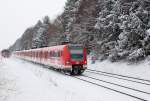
[84, 78]
[104, 84]
[118, 76]
[118, 85]
[145, 96]
[98, 82]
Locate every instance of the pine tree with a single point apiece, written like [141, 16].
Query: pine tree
[40, 34]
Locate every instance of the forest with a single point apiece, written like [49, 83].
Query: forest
[110, 29]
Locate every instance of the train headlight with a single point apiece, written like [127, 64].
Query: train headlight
[67, 62]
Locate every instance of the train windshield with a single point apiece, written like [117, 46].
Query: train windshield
[76, 53]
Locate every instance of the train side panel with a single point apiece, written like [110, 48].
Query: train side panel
[59, 57]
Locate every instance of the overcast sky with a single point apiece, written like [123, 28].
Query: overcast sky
[18, 15]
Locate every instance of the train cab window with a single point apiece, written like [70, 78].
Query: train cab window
[76, 53]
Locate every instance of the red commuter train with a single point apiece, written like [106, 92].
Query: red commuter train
[70, 58]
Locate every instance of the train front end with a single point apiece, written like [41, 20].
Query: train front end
[77, 59]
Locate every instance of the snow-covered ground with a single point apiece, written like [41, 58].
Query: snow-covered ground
[24, 81]
[141, 70]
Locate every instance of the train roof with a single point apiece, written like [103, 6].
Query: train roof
[59, 47]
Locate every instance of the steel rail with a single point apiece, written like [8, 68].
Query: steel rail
[120, 75]
[111, 89]
[118, 85]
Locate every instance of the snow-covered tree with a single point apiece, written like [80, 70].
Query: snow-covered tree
[123, 22]
[39, 36]
[113, 29]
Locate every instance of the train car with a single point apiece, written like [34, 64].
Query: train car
[68, 58]
[5, 53]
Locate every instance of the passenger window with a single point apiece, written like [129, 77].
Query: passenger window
[50, 54]
[58, 55]
[61, 53]
[46, 54]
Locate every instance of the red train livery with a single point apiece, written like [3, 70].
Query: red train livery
[69, 58]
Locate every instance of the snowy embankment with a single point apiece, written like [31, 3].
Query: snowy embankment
[24, 81]
[20, 84]
[140, 70]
